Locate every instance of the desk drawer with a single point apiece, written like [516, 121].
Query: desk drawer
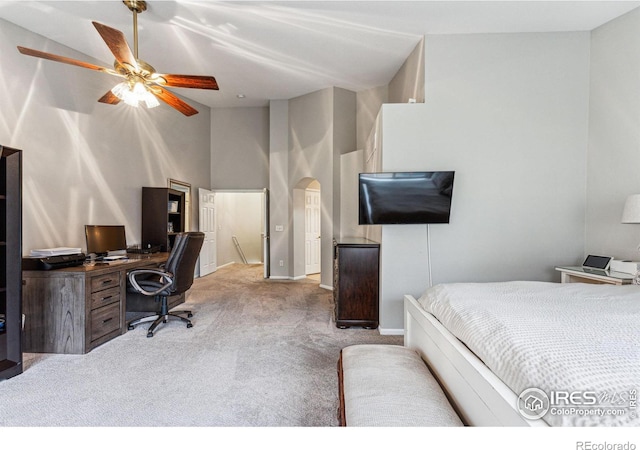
[105, 297]
[106, 281]
[105, 320]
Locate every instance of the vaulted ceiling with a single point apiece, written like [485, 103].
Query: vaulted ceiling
[269, 50]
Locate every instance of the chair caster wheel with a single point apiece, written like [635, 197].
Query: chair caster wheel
[131, 327]
[150, 334]
[189, 315]
[189, 325]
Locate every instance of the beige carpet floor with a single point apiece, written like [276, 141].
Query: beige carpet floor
[261, 353]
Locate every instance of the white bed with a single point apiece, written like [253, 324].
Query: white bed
[488, 342]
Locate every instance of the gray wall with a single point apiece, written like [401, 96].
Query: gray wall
[315, 145]
[344, 142]
[280, 202]
[368, 104]
[508, 113]
[310, 157]
[614, 134]
[351, 165]
[86, 162]
[240, 148]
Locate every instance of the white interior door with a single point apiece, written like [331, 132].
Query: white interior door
[207, 215]
[312, 231]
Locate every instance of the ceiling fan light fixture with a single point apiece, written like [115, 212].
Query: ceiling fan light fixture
[149, 99]
[133, 95]
[142, 94]
[125, 93]
[121, 90]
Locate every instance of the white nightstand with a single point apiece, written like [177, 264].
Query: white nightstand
[577, 274]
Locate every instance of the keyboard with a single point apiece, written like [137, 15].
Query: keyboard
[114, 258]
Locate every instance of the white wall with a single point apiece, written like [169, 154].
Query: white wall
[86, 162]
[614, 134]
[508, 113]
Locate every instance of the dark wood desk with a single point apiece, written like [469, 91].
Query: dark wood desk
[75, 309]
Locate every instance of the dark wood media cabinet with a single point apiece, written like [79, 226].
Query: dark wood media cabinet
[75, 309]
[356, 265]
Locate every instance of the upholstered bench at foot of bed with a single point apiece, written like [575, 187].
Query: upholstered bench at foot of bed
[390, 385]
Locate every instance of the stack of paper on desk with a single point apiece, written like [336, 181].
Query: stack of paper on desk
[45, 252]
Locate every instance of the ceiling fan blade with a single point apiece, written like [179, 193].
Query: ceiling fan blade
[63, 59]
[189, 81]
[174, 101]
[117, 43]
[109, 98]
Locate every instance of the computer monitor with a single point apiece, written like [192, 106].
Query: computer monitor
[102, 239]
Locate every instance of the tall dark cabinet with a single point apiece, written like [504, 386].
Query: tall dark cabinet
[10, 262]
[356, 265]
[163, 217]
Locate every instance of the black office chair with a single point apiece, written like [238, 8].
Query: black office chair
[174, 278]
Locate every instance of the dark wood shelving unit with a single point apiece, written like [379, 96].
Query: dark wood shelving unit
[356, 264]
[10, 262]
[159, 223]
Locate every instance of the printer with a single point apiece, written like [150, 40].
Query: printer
[630, 267]
[53, 262]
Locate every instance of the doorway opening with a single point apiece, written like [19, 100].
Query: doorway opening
[240, 224]
[312, 209]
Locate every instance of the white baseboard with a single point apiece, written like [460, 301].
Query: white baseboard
[328, 288]
[391, 331]
[273, 277]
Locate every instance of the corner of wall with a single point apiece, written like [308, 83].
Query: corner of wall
[407, 86]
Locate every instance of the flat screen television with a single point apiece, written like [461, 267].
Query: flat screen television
[388, 198]
[102, 239]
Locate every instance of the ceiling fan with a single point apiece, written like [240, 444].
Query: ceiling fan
[142, 84]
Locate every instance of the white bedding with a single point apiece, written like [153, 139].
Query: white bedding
[555, 337]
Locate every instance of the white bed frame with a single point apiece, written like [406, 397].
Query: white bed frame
[479, 396]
